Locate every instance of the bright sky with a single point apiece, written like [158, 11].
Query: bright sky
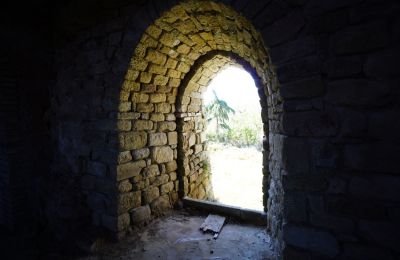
[234, 85]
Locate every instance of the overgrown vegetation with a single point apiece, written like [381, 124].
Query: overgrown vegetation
[242, 128]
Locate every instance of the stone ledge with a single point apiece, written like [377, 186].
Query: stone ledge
[248, 215]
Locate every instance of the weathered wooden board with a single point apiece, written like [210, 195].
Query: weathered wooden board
[213, 224]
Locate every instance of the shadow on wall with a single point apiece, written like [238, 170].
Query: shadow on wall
[333, 128]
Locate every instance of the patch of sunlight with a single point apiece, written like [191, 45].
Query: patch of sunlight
[235, 153]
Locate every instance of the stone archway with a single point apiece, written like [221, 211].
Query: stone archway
[193, 162]
[160, 105]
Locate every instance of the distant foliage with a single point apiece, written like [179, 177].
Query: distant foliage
[219, 111]
[241, 129]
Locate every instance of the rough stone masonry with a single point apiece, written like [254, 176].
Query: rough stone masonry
[101, 122]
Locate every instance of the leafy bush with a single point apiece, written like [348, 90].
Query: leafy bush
[245, 129]
[242, 136]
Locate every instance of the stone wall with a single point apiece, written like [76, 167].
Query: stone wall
[25, 75]
[169, 71]
[330, 99]
[331, 194]
[8, 95]
[193, 161]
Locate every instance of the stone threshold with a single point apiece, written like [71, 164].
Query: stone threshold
[246, 215]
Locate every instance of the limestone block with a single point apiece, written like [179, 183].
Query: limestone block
[96, 168]
[343, 66]
[163, 108]
[128, 116]
[174, 73]
[357, 92]
[129, 170]
[198, 148]
[160, 80]
[145, 107]
[148, 41]
[307, 88]
[148, 88]
[295, 207]
[162, 154]
[154, 31]
[124, 186]
[318, 241]
[159, 180]
[139, 63]
[171, 166]
[174, 82]
[145, 77]
[312, 123]
[186, 27]
[156, 58]
[129, 200]
[294, 49]
[131, 75]
[183, 49]
[172, 138]
[157, 139]
[167, 89]
[183, 67]
[140, 125]
[192, 139]
[187, 126]
[157, 117]
[360, 38]
[169, 40]
[123, 221]
[145, 116]
[283, 29]
[150, 194]
[160, 205]
[299, 68]
[201, 193]
[171, 63]
[151, 171]
[140, 98]
[295, 156]
[172, 177]
[170, 52]
[124, 106]
[124, 125]
[165, 188]
[166, 126]
[141, 215]
[158, 98]
[141, 153]
[132, 140]
[193, 108]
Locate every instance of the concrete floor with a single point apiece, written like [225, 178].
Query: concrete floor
[177, 236]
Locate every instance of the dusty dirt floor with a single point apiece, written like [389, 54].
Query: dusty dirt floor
[237, 175]
[177, 236]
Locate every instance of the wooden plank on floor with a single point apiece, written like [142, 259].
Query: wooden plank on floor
[213, 223]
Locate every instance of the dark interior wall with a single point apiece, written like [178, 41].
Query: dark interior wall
[336, 62]
[26, 76]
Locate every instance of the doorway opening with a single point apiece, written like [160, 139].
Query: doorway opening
[235, 132]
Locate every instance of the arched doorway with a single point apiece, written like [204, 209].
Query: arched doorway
[194, 169]
[162, 154]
